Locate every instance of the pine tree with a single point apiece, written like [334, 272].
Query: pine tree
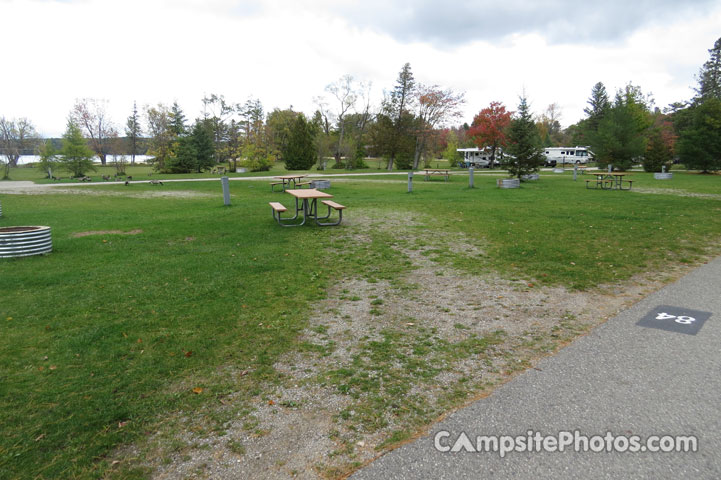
[524, 143]
[397, 108]
[177, 120]
[621, 136]
[658, 153]
[709, 78]
[299, 151]
[598, 107]
[194, 152]
[133, 132]
[699, 145]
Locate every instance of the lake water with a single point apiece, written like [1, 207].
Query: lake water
[25, 159]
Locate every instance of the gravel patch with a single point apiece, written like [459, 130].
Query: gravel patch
[305, 427]
[676, 192]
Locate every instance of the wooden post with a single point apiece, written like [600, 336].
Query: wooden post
[410, 182]
[575, 172]
[470, 177]
[226, 190]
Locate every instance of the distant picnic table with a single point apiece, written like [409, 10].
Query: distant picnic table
[286, 180]
[429, 172]
[609, 181]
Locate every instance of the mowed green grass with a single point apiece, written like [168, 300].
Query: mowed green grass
[111, 333]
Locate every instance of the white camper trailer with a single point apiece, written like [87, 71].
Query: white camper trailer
[475, 157]
[561, 155]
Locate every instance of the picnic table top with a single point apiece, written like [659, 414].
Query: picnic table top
[437, 169]
[290, 177]
[615, 174]
[308, 193]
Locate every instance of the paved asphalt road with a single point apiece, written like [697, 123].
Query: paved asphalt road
[622, 378]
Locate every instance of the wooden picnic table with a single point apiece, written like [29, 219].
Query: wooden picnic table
[306, 200]
[609, 181]
[285, 180]
[436, 171]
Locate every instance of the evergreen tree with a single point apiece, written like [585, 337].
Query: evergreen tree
[524, 143]
[176, 119]
[299, 151]
[658, 154]
[133, 132]
[204, 146]
[194, 152]
[709, 78]
[598, 105]
[398, 108]
[699, 145]
[75, 155]
[621, 136]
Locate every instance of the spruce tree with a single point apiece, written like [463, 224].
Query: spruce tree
[177, 120]
[598, 106]
[658, 153]
[524, 143]
[299, 151]
[709, 78]
[699, 145]
[133, 132]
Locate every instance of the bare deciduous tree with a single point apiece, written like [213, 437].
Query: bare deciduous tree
[89, 114]
[344, 91]
[435, 107]
[16, 136]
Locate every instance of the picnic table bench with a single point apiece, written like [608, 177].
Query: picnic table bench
[429, 172]
[609, 181]
[306, 202]
[286, 180]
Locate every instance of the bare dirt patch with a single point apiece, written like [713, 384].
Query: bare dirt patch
[385, 358]
[105, 232]
[29, 188]
[676, 192]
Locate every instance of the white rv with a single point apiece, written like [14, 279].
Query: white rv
[475, 157]
[561, 155]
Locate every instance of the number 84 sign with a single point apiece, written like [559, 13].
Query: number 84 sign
[675, 319]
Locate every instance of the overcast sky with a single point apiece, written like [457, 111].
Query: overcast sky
[285, 52]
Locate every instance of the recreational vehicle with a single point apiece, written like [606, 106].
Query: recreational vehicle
[556, 155]
[475, 157]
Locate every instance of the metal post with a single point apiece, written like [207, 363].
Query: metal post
[470, 177]
[663, 169]
[226, 190]
[575, 172]
[610, 168]
[410, 182]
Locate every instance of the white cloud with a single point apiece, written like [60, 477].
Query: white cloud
[285, 53]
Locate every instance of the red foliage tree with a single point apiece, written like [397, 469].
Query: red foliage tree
[489, 127]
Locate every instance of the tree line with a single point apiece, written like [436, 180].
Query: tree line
[625, 129]
[408, 127]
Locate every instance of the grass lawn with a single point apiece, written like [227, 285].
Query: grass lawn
[113, 332]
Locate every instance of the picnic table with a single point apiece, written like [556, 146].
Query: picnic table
[306, 201]
[429, 172]
[286, 180]
[609, 181]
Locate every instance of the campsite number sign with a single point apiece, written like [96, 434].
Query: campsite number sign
[675, 319]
